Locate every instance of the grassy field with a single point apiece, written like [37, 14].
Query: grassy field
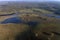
[9, 31]
[46, 24]
[29, 13]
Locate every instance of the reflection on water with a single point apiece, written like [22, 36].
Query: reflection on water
[12, 20]
[52, 15]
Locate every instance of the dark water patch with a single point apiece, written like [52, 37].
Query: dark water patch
[12, 20]
[17, 20]
[52, 15]
[7, 14]
[56, 33]
[32, 24]
[57, 12]
[46, 33]
[57, 16]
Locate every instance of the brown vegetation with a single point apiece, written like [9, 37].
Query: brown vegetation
[9, 31]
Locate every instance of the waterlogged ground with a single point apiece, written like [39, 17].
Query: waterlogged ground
[34, 24]
[28, 27]
[30, 21]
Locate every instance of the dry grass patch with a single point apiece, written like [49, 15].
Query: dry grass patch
[9, 31]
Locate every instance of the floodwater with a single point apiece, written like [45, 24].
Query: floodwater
[17, 20]
[12, 20]
[52, 15]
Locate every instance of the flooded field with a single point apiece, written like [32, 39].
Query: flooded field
[30, 21]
